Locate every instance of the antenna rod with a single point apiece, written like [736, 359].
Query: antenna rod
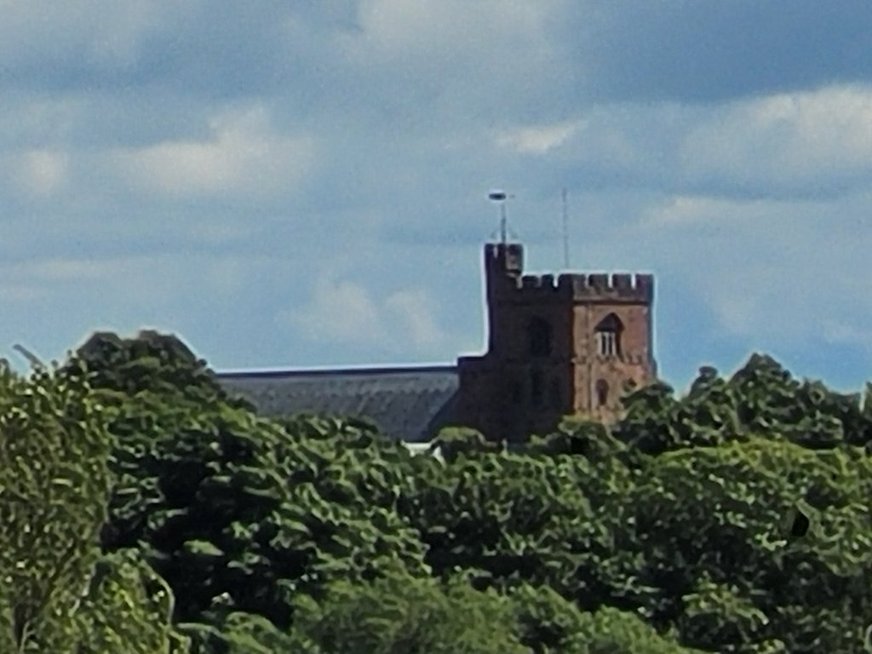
[565, 231]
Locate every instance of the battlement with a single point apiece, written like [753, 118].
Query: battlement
[617, 287]
[504, 266]
[494, 251]
[503, 259]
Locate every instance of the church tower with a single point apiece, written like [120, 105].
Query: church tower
[569, 345]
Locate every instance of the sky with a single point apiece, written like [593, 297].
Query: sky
[298, 184]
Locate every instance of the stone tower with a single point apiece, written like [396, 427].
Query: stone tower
[569, 345]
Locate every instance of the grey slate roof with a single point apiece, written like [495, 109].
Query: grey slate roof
[408, 403]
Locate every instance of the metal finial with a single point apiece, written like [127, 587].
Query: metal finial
[501, 197]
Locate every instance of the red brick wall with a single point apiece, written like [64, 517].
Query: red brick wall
[634, 364]
[497, 391]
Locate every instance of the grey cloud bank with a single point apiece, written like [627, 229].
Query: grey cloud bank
[243, 173]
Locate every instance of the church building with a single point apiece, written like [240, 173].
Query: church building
[571, 344]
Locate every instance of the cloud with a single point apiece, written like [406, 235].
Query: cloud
[837, 332]
[813, 143]
[12, 293]
[412, 311]
[539, 139]
[819, 139]
[446, 64]
[242, 154]
[40, 172]
[427, 27]
[704, 52]
[45, 45]
[339, 311]
[343, 312]
[777, 273]
[175, 164]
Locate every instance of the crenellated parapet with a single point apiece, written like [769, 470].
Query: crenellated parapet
[615, 287]
[581, 287]
[495, 250]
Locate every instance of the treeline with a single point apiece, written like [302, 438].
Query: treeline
[143, 510]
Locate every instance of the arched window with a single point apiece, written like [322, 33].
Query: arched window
[539, 335]
[608, 336]
[602, 392]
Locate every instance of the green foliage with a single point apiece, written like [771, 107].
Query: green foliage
[650, 424]
[549, 624]
[761, 398]
[244, 633]
[577, 437]
[770, 401]
[511, 518]
[151, 361]
[53, 487]
[401, 614]
[238, 513]
[57, 594]
[732, 519]
[453, 442]
[127, 609]
[754, 542]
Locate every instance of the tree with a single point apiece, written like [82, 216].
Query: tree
[550, 624]
[239, 514]
[57, 594]
[732, 519]
[751, 543]
[403, 614]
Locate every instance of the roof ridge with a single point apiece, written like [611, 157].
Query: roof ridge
[326, 372]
